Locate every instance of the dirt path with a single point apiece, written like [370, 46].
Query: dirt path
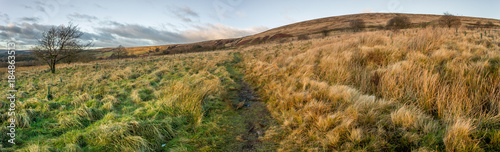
[256, 117]
[253, 115]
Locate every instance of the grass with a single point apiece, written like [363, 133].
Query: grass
[168, 103]
[425, 89]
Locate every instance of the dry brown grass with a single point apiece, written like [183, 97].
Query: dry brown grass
[458, 136]
[421, 82]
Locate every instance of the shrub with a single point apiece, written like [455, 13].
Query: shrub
[449, 20]
[478, 24]
[303, 37]
[398, 22]
[489, 24]
[357, 24]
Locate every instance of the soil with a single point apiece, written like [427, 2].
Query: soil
[256, 117]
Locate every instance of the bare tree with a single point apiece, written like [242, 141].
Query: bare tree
[59, 43]
[450, 20]
[119, 52]
[357, 24]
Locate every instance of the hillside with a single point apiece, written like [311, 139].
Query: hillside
[315, 28]
[416, 89]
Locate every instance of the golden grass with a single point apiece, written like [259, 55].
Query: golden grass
[458, 136]
[420, 81]
[428, 89]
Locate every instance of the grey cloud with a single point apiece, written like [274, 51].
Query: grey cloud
[186, 10]
[184, 13]
[99, 6]
[24, 33]
[29, 19]
[112, 23]
[137, 35]
[84, 17]
[4, 17]
[27, 7]
[135, 31]
[115, 33]
[40, 6]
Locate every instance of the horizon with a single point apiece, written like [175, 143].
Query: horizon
[152, 23]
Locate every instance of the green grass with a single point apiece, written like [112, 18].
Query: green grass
[155, 104]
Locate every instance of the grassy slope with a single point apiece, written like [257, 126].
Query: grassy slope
[173, 103]
[313, 28]
[417, 89]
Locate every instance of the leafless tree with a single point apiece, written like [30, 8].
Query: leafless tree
[450, 20]
[119, 52]
[59, 43]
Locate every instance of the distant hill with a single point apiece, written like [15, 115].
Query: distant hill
[3, 53]
[311, 29]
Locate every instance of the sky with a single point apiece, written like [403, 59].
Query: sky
[109, 23]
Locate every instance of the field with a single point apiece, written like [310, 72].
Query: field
[176, 103]
[417, 89]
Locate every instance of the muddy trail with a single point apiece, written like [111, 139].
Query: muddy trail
[253, 113]
[256, 117]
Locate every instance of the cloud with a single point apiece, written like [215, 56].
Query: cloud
[219, 31]
[27, 7]
[367, 11]
[112, 33]
[135, 31]
[186, 10]
[81, 17]
[4, 17]
[184, 13]
[138, 35]
[99, 6]
[23, 34]
[29, 19]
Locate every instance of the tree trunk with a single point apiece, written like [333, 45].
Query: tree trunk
[53, 67]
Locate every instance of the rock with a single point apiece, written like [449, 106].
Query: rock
[241, 104]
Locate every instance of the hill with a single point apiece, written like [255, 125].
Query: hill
[416, 89]
[315, 28]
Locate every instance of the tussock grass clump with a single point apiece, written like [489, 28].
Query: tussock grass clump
[458, 136]
[35, 148]
[116, 137]
[135, 97]
[81, 99]
[72, 148]
[68, 121]
[109, 102]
